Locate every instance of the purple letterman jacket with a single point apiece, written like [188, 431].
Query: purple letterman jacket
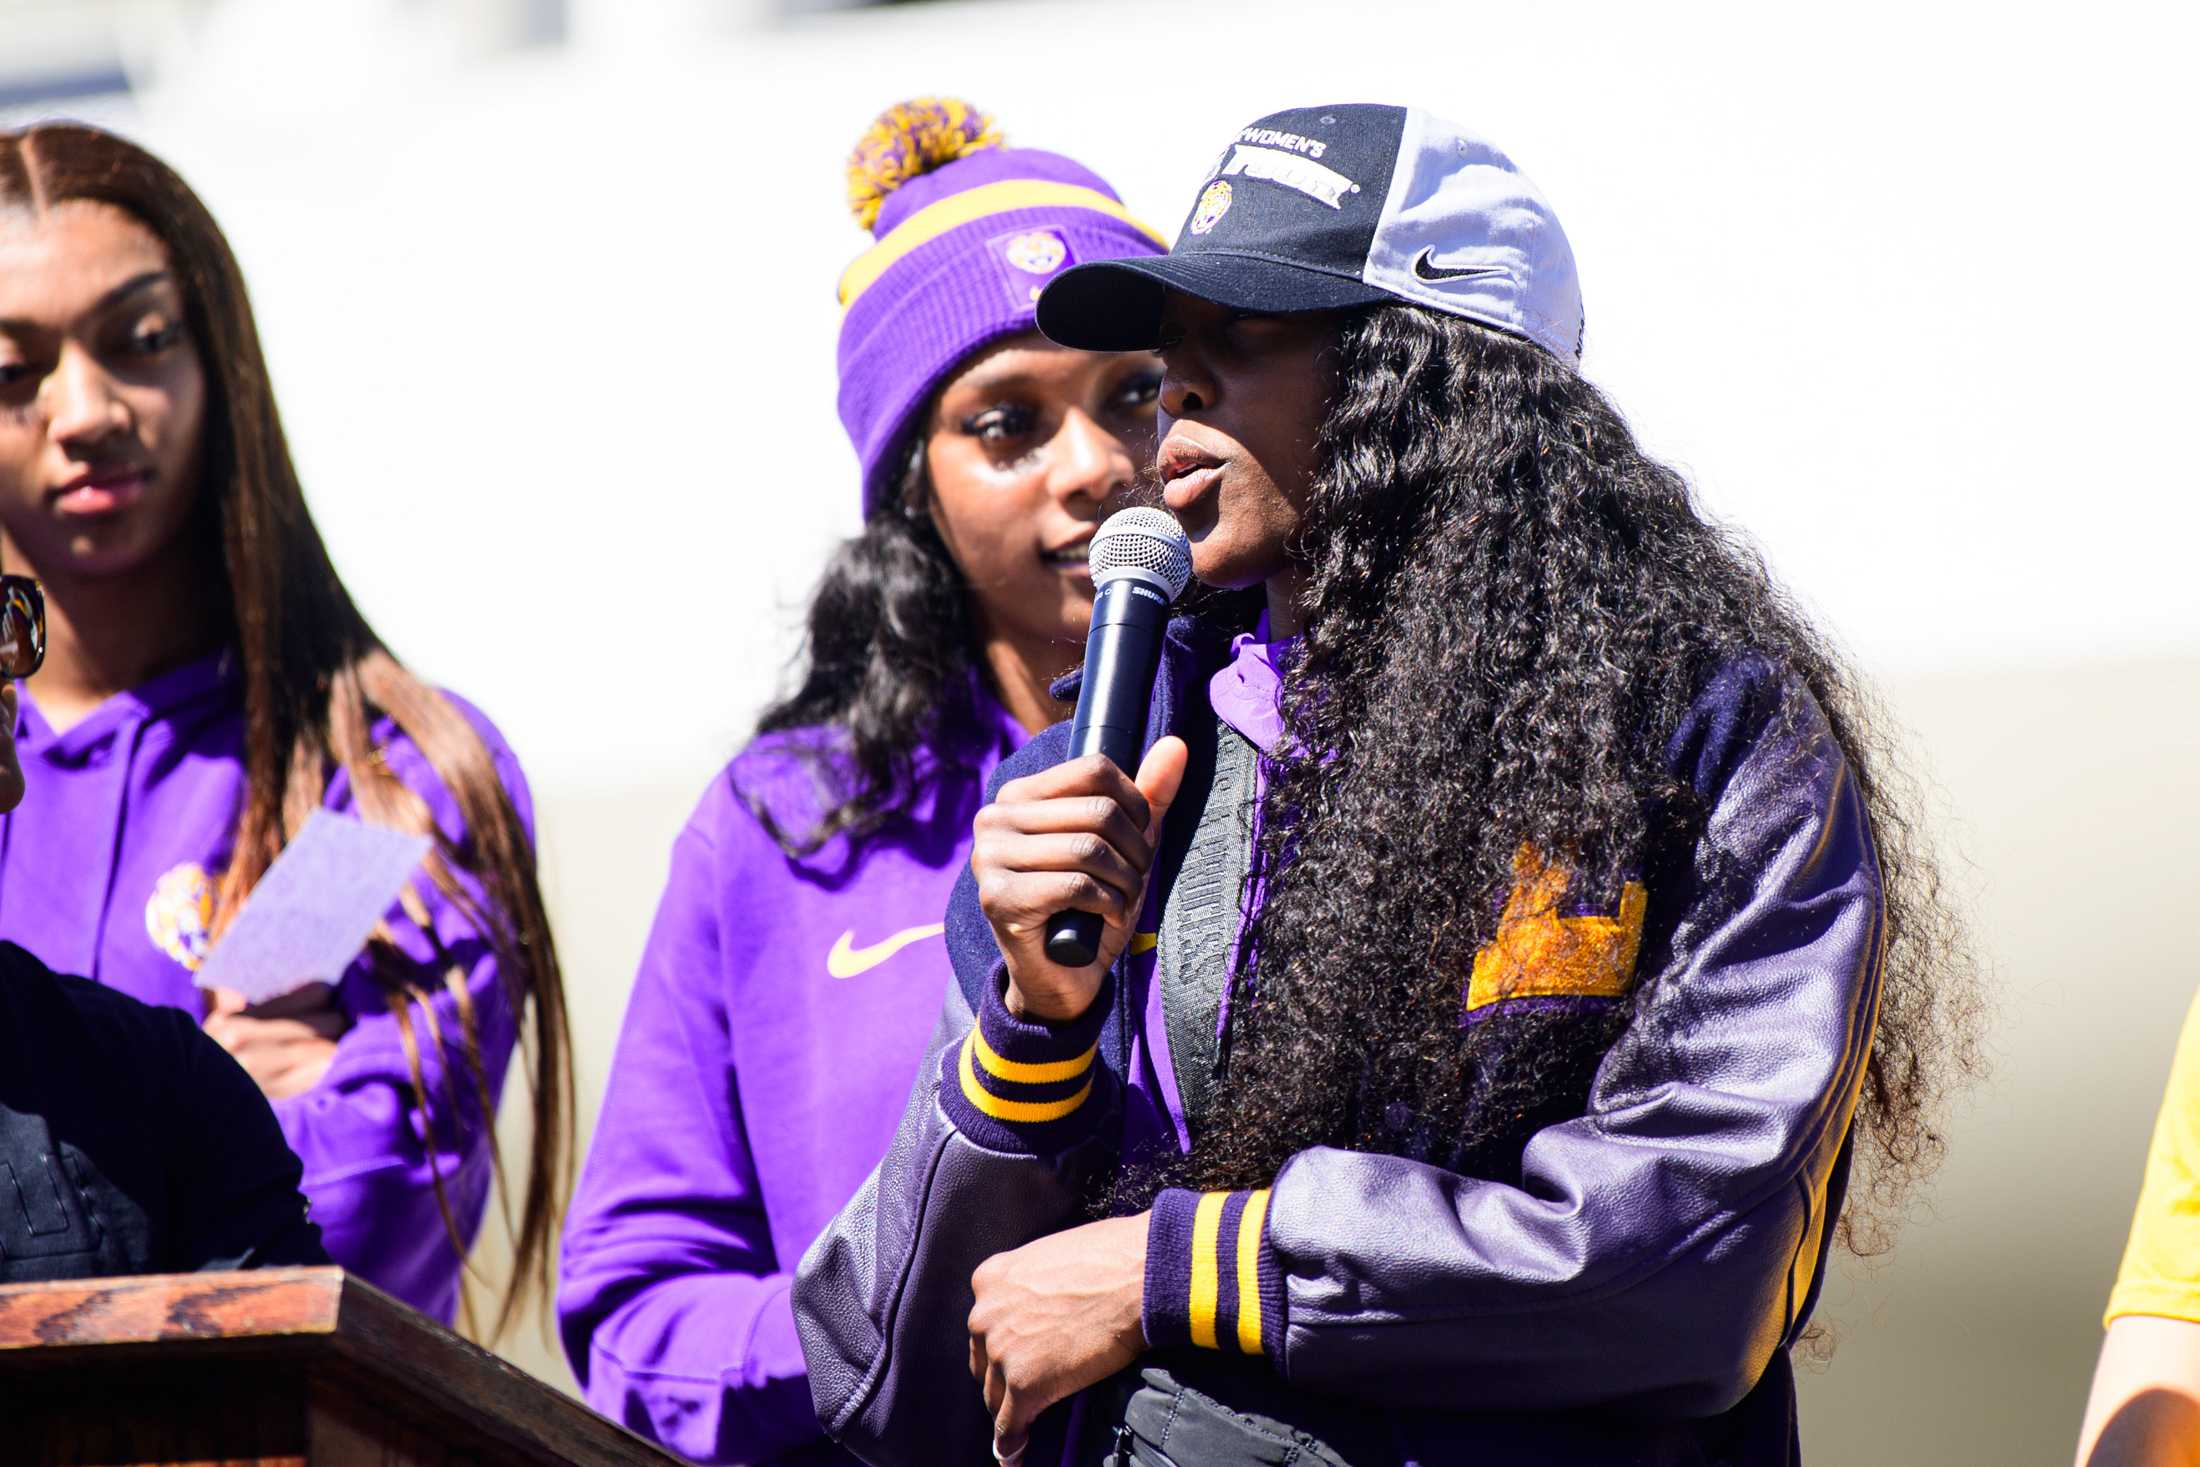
[107, 870]
[781, 1008]
[1628, 1293]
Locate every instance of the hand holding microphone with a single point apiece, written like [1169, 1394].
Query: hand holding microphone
[1061, 857]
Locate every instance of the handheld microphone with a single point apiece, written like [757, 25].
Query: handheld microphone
[1140, 562]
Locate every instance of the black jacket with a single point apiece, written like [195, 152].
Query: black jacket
[130, 1142]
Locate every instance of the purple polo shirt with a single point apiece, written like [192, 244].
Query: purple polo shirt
[780, 1014]
[107, 871]
[1247, 694]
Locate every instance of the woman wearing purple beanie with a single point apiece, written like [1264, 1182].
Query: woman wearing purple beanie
[796, 968]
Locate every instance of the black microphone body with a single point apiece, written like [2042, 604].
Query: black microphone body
[1122, 654]
[1130, 614]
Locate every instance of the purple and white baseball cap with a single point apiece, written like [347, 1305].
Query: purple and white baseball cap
[1318, 208]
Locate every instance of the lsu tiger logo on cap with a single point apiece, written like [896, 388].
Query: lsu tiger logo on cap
[1214, 202]
[1032, 257]
[179, 916]
[1038, 252]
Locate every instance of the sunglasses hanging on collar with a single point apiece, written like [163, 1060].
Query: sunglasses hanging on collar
[22, 627]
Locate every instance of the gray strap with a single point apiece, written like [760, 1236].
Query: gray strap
[1199, 919]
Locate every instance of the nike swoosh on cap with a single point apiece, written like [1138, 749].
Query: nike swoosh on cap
[1425, 268]
[846, 960]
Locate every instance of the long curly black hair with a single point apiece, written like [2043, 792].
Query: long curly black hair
[888, 661]
[1509, 609]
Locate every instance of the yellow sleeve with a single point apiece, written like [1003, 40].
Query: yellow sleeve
[2161, 1270]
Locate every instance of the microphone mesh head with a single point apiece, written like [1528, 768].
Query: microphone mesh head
[1147, 543]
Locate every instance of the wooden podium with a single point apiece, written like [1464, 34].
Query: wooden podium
[302, 1367]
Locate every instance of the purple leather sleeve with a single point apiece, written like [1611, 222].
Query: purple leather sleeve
[882, 1297]
[1660, 1248]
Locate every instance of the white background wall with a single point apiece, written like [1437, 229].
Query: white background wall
[1908, 291]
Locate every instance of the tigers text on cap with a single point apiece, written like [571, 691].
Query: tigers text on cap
[1322, 207]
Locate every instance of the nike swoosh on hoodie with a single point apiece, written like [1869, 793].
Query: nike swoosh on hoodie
[846, 960]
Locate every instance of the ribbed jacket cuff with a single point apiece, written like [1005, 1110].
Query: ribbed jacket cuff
[1211, 1276]
[1026, 1087]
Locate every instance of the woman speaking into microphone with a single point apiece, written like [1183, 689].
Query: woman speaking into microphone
[796, 967]
[1511, 942]
[209, 687]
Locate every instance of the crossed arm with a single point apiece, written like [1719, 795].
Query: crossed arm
[2145, 1406]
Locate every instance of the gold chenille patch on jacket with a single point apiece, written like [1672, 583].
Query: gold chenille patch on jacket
[179, 916]
[1539, 953]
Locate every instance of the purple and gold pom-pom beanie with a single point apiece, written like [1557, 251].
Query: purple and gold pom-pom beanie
[967, 233]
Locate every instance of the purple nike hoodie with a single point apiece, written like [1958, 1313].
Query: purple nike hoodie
[107, 871]
[782, 1009]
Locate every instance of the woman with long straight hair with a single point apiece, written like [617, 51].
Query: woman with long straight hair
[797, 963]
[1514, 940]
[209, 686]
